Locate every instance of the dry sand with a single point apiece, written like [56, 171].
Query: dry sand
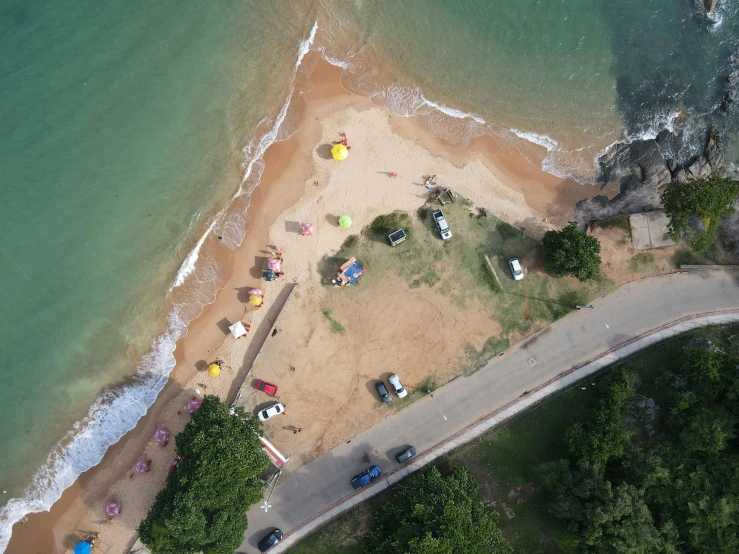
[362, 187]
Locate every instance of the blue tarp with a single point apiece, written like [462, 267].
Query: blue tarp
[83, 547]
[353, 271]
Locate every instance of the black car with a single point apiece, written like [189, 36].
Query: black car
[270, 540]
[406, 455]
[382, 391]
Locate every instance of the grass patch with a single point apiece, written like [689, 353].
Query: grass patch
[618, 222]
[476, 359]
[383, 225]
[686, 256]
[350, 242]
[642, 261]
[428, 384]
[336, 327]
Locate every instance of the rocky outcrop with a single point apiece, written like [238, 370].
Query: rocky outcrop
[643, 173]
[731, 88]
[708, 5]
[730, 229]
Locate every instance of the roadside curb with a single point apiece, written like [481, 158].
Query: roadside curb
[506, 412]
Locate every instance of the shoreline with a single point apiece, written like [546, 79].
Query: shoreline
[288, 167]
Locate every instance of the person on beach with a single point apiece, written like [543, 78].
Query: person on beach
[393, 175]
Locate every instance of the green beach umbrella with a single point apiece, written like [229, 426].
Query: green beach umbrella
[345, 222]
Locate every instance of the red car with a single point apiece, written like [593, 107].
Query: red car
[266, 387]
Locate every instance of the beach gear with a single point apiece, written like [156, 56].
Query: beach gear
[112, 509]
[256, 300]
[350, 272]
[345, 222]
[142, 466]
[339, 152]
[214, 370]
[194, 404]
[237, 330]
[306, 229]
[161, 436]
[275, 264]
[256, 292]
[269, 275]
[83, 547]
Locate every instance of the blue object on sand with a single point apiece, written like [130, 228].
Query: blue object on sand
[83, 547]
[353, 271]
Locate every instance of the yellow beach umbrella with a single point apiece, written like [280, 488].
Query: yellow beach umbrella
[256, 300]
[339, 152]
[214, 370]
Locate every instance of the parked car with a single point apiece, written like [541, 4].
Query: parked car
[266, 387]
[398, 386]
[365, 478]
[271, 411]
[382, 391]
[406, 455]
[441, 224]
[270, 540]
[516, 270]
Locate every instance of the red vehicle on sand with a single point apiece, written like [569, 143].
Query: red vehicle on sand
[266, 387]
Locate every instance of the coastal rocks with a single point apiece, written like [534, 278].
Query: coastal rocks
[730, 229]
[731, 89]
[708, 6]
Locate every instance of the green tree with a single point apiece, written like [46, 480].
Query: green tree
[203, 506]
[570, 252]
[430, 514]
[708, 199]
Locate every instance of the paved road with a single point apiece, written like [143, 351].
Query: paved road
[630, 311]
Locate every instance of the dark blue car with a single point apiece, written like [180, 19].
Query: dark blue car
[366, 477]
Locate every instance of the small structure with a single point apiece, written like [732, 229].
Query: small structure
[306, 229]
[275, 264]
[112, 509]
[142, 466]
[161, 436]
[238, 329]
[650, 230]
[272, 453]
[350, 272]
[339, 151]
[397, 237]
[192, 405]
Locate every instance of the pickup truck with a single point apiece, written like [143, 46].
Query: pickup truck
[441, 224]
[365, 478]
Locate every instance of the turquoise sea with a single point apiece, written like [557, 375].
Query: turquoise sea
[125, 124]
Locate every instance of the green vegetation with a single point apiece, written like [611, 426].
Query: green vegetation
[617, 222]
[203, 506]
[431, 514]
[336, 327]
[385, 224]
[570, 252]
[642, 261]
[707, 199]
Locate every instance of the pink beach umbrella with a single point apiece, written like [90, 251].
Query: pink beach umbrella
[306, 228]
[142, 466]
[193, 405]
[256, 292]
[161, 436]
[274, 264]
[112, 509]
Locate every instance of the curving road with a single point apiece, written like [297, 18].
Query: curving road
[629, 312]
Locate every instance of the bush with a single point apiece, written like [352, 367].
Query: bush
[570, 252]
[386, 224]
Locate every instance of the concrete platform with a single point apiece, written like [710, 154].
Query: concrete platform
[649, 230]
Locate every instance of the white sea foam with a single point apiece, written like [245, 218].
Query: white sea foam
[542, 140]
[118, 410]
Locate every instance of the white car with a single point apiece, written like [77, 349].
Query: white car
[271, 411]
[441, 224]
[516, 270]
[398, 386]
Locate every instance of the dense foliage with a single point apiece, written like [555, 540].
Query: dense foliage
[654, 479]
[431, 514]
[203, 506]
[570, 252]
[707, 199]
[389, 223]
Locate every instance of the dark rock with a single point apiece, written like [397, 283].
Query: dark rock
[697, 224]
[699, 169]
[679, 176]
[672, 166]
[708, 5]
[731, 88]
[714, 154]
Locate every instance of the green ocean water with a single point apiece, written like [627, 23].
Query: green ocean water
[122, 131]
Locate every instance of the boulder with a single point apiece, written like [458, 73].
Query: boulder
[714, 154]
[679, 176]
[708, 5]
[699, 169]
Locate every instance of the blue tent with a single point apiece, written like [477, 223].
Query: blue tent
[83, 547]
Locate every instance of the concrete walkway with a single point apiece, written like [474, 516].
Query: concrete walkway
[635, 316]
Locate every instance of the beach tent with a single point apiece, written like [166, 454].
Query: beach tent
[161, 436]
[339, 152]
[83, 547]
[269, 275]
[214, 370]
[112, 509]
[193, 405]
[142, 466]
[237, 330]
[345, 222]
[256, 300]
[306, 228]
[275, 264]
[256, 292]
[350, 272]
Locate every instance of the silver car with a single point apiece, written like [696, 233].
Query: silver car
[516, 270]
[398, 386]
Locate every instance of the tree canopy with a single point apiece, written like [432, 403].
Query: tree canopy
[431, 514]
[665, 481]
[570, 252]
[707, 199]
[203, 506]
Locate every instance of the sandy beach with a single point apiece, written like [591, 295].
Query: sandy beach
[301, 183]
